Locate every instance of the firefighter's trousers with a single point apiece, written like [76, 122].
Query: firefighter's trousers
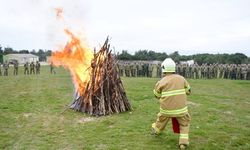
[184, 122]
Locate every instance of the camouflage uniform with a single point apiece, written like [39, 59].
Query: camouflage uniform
[0, 70]
[15, 68]
[150, 70]
[38, 67]
[127, 70]
[154, 70]
[26, 68]
[244, 71]
[140, 69]
[52, 71]
[134, 70]
[5, 67]
[233, 72]
[32, 68]
[159, 70]
[238, 72]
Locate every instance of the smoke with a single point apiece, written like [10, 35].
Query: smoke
[36, 20]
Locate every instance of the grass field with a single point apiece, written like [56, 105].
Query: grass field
[31, 106]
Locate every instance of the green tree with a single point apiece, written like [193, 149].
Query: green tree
[8, 50]
[24, 51]
[237, 58]
[141, 55]
[175, 56]
[42, 55]
[124, 55]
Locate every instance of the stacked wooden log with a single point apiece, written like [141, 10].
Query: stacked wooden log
[104, 93]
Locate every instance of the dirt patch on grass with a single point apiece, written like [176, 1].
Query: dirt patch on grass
[86, 119]
[26, 115]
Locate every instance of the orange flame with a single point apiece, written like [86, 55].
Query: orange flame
[77, 58]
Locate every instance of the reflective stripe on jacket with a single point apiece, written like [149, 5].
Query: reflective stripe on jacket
[171, 90]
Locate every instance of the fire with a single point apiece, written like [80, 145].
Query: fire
[76, 57]
[59, 12]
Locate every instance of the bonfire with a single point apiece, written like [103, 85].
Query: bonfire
[99, 89]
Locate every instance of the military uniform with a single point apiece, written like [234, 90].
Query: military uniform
[127, 70]
[154, 70]
[150, 69]
[0, 70]
[133, 70]
[38, 67]
[140, 69]
[248, 72]
[32, 68]
[244, 72]
[238, 72]
[15, 68]
[52, 71]
[5, 67]
[26, 68]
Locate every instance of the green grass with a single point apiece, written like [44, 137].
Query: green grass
[31, 106]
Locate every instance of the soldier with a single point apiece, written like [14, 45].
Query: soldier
[123, 69]
[154, 70]
[248, 72]
[219, 71]
[238, 72]
[127, 70]
[189, 71]
[144, 69]
[134, 69]
[0, 70]
[5, 67]
[140, 69]
[184, 70]
[38, 67]
[26, 68]
[199, 71]
[181, 70]
[15, 68]
[150, 69]
[206, 71]
[119, 66]
[159, 70]
[32, 68]
[193, 71]
[211, 69]
[233, 72]
[130, 69]
[244, 71]
[52, 68]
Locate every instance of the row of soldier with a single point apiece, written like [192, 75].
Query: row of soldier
[32, 68]
[195, 71]
[215, 71]
[139, 68]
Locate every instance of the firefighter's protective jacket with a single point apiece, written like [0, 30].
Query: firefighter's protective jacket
[172, 91]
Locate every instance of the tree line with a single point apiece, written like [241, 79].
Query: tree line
[236, 58]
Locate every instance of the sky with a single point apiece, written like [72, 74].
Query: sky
[186, 26]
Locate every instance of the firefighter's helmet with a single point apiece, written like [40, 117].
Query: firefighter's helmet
[168, 65]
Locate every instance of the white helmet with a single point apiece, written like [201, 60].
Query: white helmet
[168, 65]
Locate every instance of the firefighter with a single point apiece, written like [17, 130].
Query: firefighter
[172, 91]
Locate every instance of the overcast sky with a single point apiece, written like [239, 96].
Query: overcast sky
[187, 26]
